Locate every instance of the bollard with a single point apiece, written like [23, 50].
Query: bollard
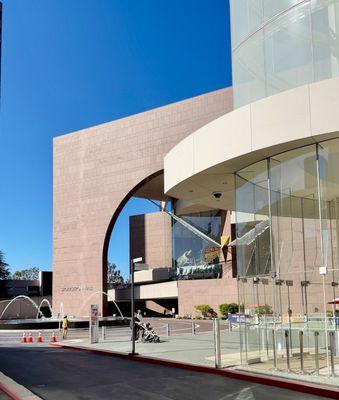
[332, 352]
[103, 333]
[316, 352]
[193, 328]
[275, 360]
[217, 349]
[287, 344]
[301, 348]
[167, 329]
[229, 326]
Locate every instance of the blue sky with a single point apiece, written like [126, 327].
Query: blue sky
[70, 64]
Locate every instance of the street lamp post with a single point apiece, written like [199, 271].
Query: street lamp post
[132, 268]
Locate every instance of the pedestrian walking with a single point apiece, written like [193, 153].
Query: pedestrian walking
[64, 327]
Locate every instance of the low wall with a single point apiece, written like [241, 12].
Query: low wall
[207, 291]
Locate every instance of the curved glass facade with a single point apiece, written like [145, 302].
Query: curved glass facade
[287, 228]
[281, 44]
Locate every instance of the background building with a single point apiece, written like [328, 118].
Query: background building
[36, 290]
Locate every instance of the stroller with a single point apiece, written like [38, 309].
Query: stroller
[146, 333]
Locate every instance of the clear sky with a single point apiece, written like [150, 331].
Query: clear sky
[71, 64]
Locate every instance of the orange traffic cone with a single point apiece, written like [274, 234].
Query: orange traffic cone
[30, 338]
[23, 339]
[53, 338]
[39, 340]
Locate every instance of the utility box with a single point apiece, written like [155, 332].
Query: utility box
[94, 324]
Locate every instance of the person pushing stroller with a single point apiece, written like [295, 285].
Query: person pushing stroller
[143, 331]
[137, 320]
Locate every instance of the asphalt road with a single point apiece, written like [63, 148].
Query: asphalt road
[53, 373]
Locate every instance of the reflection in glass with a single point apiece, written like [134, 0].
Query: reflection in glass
[287, 209]
[194, 257]
[281, 44]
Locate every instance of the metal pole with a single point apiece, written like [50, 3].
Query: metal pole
[266, 338]
[301, 347]
[193, 328]
[229, 326]
[103, 332]
[332, 351]
[289, 315]
[132, 306]
[316, 351]
[287, 344]
[167, 329]
[59, 318]
[275, 360]
[217, 350]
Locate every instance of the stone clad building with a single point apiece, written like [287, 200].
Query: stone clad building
[96, 171]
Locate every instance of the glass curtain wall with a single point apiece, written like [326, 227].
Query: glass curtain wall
[193, 256]
[281, 44]
[287, 210]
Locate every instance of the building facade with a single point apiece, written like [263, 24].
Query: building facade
[96, 171]
[276, 165]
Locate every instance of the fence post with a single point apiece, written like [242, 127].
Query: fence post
[274, 344]
[217, 349]
[301, 348]
[287, 344]
[316, 351]
[332, 352]
[193, 328]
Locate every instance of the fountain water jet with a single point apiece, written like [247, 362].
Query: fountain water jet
[100, 292]
[21, 296]
[49, 306]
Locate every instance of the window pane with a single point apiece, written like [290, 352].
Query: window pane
[288, 50]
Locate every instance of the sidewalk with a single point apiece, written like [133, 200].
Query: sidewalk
[185, 348]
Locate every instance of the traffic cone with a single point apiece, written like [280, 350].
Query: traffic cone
[30, 338]
[23, 339]
[39, 338]
[53, 338]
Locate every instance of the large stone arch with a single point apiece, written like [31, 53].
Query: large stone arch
[95, 170]
[112, 223]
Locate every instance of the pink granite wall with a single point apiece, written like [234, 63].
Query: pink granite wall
[151, 239]
[207, 291]
[95, 169]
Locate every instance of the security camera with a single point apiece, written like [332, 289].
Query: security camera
[217, 195]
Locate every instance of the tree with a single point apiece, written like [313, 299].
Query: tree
[4, 271]
[114, 276]
[30, 274]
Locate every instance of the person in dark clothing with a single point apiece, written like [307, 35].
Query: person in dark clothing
[137, 328]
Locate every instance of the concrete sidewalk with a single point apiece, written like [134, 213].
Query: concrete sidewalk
[186, 348]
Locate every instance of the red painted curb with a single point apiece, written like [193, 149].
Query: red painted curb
[304, 387]
[9, 392]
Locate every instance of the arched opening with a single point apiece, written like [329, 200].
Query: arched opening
[178, 240]
[149, 188]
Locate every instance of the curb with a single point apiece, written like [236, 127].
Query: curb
[284, 383]
[9, 392]
[14, 390]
